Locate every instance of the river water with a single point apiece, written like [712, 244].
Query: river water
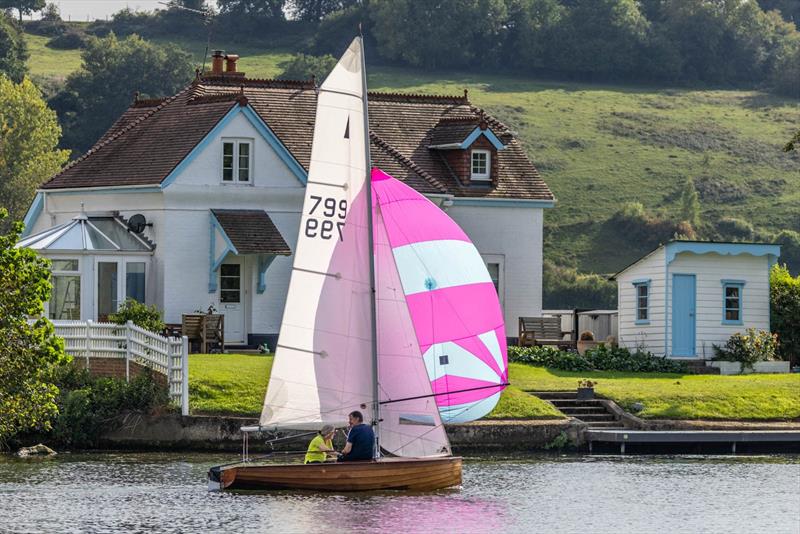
[153, 492]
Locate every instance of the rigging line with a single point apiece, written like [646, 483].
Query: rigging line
[337, 275]
[445, 393]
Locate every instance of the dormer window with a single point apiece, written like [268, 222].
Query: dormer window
[236, 160]
[481, 165]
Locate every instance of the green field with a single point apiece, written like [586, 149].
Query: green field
[667, 396]
[234, 384]
[598, 146]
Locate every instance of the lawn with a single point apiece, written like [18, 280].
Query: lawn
[234, 384]
[597, 145]
[679, 396]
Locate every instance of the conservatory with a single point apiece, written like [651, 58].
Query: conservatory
[97, 262]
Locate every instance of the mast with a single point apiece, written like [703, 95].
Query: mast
[373, 313]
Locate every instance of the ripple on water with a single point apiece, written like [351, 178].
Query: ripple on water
[166, 493]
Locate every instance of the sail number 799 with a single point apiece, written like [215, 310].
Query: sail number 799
[329, 220]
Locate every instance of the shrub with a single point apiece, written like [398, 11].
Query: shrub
[70, 40]
[785, 311]
[748, 348]
[731, 227]
[600, 358]
[143, 316]
[565, 287]
[303, 67]
[90, 407]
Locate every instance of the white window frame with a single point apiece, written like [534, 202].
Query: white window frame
[481, 177]
[236, 142]
[78, 273]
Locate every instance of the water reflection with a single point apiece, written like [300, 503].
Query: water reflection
[166, 493]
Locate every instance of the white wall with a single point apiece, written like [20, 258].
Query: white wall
[710, 269]
[515, 234]
[650, 337]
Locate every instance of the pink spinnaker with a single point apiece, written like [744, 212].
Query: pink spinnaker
[451, 300]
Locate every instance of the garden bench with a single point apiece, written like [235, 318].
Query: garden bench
[539, 331]
[206, 329]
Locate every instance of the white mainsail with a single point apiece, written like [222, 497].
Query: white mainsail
[323, 364]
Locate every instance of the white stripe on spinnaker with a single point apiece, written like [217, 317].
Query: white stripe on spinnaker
[489, 339]
[460, 362]
[463, 413]
[438, 264]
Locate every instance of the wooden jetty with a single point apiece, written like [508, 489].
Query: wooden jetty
[787, 439]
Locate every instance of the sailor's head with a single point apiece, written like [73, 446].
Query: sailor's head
[327, 431]
[356, 418]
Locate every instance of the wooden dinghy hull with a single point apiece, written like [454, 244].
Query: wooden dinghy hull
[412, 474]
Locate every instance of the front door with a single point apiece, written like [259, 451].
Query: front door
[683, 315]
[231, 299]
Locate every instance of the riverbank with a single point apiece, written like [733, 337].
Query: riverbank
[172, 432]
[216, 433]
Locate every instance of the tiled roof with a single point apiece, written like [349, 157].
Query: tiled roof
[252, 232]
[152, 137]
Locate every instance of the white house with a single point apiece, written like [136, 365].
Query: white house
[686, 296]
[194, 200]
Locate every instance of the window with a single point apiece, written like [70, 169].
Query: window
[732, 301]
[236, 161]
[481, 165]
[134, 281]
[642, 289]
[494, 274]
[65, 299]
[230, 283]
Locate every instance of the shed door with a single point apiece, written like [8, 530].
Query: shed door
[683, 315]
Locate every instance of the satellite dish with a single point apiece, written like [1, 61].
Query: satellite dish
[137, 223]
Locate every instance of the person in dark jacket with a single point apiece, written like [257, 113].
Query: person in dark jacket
[360, 440]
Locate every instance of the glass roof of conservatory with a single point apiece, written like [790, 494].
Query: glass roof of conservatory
[83, 233]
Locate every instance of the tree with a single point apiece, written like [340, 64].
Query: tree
[444, 34]
[29, 132]
[259, 9]
[24, 7]
[785, 311]
[690, 204]
[112, 71]
[13, 52]
[315, 10]
[29, 353]
[303, 67]
[794, 143]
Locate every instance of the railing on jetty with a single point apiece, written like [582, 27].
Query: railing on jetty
[168, 356]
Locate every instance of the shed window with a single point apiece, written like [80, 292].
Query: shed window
[481, 165]
[732, 302]
[236, 161]
[642, 288]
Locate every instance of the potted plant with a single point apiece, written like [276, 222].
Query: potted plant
[586, 389]
[586, 341]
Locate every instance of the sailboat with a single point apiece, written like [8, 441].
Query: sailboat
[390, 311]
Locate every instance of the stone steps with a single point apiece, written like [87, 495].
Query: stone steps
[592, 411]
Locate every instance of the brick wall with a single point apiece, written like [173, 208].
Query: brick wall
[115, 368]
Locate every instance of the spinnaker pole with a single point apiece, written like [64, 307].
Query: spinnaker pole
[373, 313]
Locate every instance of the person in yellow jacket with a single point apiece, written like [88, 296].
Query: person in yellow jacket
[321, 445]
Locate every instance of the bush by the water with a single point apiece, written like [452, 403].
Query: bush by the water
[601, 358]
[143, 316]
[89, 407]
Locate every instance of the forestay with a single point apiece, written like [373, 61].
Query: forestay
[323, 366]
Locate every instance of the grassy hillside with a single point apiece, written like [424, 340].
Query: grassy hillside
[598, 146]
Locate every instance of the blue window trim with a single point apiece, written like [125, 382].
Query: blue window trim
[262, 128]
[725, 285]
[636, 284]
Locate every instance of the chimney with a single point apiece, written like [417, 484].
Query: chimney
[216, 62]
[230, 63]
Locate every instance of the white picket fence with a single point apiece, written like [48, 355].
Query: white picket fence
[166, 355]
